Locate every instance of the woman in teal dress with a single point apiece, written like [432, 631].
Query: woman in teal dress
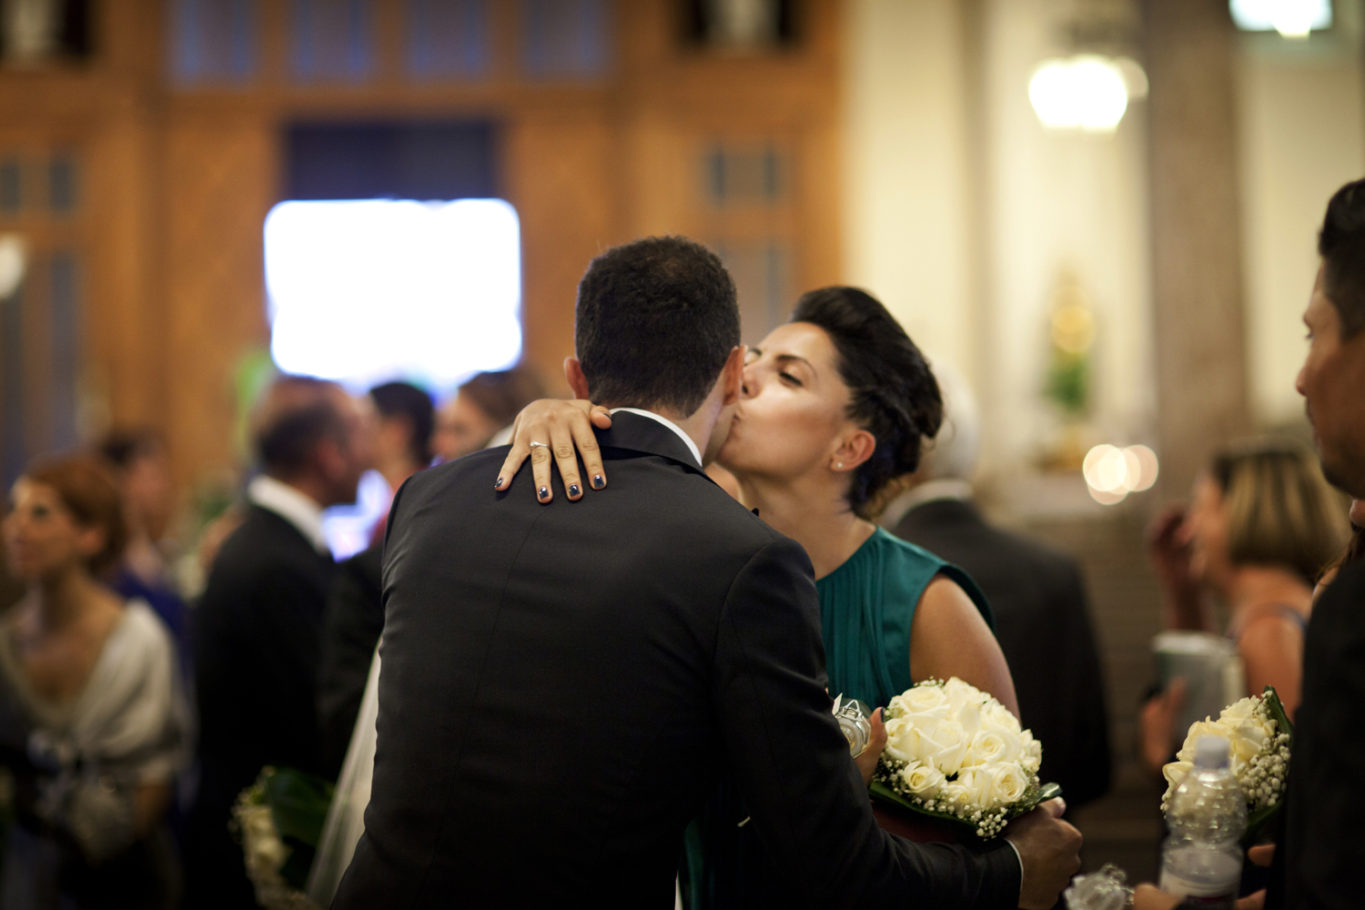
[835, 408]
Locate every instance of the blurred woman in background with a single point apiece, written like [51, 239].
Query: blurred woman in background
[1261, 526]
[93, 723]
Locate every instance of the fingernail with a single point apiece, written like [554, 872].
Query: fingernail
[498, 484]
[598, 482]
[573, 489]
[544, 493]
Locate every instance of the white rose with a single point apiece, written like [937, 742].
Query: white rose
[962, 695]
[921, 699]
[1030, 752]
[1242, 709]
[922, 780]
[960, 794]
[1197, 729]
[1006, 783]
[998, 715]
[946, 745]
[995, 742]
[905, 740]
[1175, 772]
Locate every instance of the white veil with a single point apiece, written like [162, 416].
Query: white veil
[346, 817]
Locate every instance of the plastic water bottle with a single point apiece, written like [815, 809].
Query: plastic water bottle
[1201, 861]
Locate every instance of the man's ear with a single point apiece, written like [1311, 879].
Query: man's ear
[732, 375]
[573, 372]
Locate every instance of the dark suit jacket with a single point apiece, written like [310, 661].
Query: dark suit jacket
[1321, 847]
[1042, 621]
[351, 629]
[561, 685]
[256, 638]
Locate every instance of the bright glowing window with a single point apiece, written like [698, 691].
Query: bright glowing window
[371, 290]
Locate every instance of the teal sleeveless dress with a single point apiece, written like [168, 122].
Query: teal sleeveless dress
[867, 608]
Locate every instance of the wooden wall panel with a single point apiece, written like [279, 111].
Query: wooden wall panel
[562, 179]
[126, 320]
[218, 184]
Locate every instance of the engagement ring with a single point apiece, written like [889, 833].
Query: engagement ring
[544, 445]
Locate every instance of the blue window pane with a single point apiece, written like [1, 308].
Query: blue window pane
[65, 360]
[12, 452]
[565, 38]
[332, 40]
[63, 190]
[213, 41]
[11, 186]
[448, 38]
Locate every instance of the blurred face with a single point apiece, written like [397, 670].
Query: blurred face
[791, 413]
[147, 491]
[461, 428]
[1330, 382]
[42, 537]
[355, 455]
[1205, 531]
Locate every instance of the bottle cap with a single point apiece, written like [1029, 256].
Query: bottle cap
[1210, 752]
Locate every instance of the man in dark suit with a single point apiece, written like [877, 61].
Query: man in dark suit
[1036, 593]
[258, 624]
[560, 686]
[1317, 862]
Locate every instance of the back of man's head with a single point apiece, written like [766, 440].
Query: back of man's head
[656, 320]
[291, 418]
[404, 401]
[1341, 243]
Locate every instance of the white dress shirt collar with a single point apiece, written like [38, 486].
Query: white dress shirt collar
[295, 507]
[687, 440]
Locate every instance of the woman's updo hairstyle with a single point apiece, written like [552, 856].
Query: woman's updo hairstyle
[892, 391]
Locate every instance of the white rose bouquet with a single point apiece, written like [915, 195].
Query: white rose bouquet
[1259, 735]
[278, 820]
[956, 754]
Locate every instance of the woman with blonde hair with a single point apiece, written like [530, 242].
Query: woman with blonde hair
[1261, 525]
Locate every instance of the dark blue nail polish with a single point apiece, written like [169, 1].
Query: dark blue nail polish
[544, 493]
[598, 482]
[498, 484]
[573, 489]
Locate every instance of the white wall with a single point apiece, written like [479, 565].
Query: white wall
[1302, 135]
[906, 202]
[965, 244]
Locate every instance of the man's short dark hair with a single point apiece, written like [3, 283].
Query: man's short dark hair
[404, 400]
[1341, 244]
[293, 416]
[656, 320]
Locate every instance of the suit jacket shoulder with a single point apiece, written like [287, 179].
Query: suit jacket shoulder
[1318, 861]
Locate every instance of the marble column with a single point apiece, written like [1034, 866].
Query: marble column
[1198, 301]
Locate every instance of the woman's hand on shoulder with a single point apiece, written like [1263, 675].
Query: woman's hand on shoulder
[556, 431]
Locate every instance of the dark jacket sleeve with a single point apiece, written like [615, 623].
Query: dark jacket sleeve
[1317, 862]
[351, 628]
[793, 767]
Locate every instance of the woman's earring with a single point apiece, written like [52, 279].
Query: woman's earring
[839, 464]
